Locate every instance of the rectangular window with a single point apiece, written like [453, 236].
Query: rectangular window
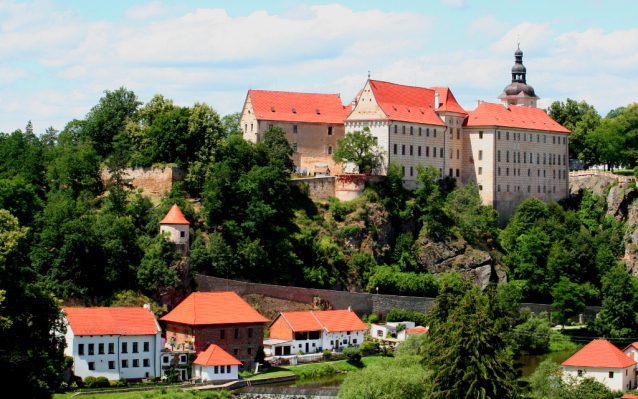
[403, 171]
[524, 136]
[136, 362]
[403, 129]
[458, 154]
[499, 170]
[403, 149]
[294, 147]
[451, 172]
[411, 150]
[124, 363]
[91, 365]
[228, 369]
[544, 139]
[451, 153]
[508, 188]
[329, 150]
[434, 133]
[216, 369]
[329, 130]
[480, 170]
[395, 149]
[395, 129]
[458, 173]
[481, 155]
[419, 150]
[411, 174]
[427, 132]
[222, 334]
[507, 135]
[419, 131]
[554, 174]
[147, 362]
[135, 347]
[100, 349]
[538, 158]
[235, 352]
[294, 128]
[544, 158]
[250, 333]
[553, 139]
[507, 172]
[81, 349]
[499, 188]
[441, 153]
[507, 156]
[451, 133]
[529, 172]
[458, 134]
[538, 138]
[250, 351]
[499, 134]
[427, 151]
[111, 364]
[498, 155]
[237, 333]
[411, 130]
[124, 347]
[524, 157]
[91, 349]
[480, 135]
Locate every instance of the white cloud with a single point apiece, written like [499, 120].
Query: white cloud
[145, 11]
[9, 74]
[531, 35]
[454, 3]
[488, 25]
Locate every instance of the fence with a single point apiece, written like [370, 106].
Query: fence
[621, 179]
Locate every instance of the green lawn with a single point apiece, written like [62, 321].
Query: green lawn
[272, 373]
[168, 394]
[307, 370]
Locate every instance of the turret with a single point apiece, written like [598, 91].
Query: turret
[519, 92]
[178, 227]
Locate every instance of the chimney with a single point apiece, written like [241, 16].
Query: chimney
[436, 101]
[478, 102]
[349, 309]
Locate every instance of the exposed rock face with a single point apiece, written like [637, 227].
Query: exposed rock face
[444, 256]
[619, 199]
[595, 184]
[631, 241]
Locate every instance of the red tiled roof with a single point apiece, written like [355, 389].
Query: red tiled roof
[174, 216]
[416, 330]
[204, 308]
[111, 321]
[447, 102]
[634, 345]
[215, 356]
[340, 320]
[406, 103]
[302, 321]
[489, 114]
[600, 353]
[629, 396]
[331, 110]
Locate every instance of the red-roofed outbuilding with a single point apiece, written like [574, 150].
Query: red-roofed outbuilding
[313, 330]
[604, 362]
[178, 229]
[220, 318]
[215, 364]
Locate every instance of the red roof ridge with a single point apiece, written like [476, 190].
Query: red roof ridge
[209, 308]
[174, 216]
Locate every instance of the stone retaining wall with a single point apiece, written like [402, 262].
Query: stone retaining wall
[361, 303]
[156, 180]
[318, 187]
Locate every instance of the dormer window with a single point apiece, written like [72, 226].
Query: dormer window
[272, 109]
[294, 111]
[318, 113]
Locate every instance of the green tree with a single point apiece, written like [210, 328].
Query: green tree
[360, 149]
[620, 298]
[230, 124]
[30, 326]
[580, 118]
[279, 146]
[20, 199]
[569, 299]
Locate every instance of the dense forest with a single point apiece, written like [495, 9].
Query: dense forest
[67, 233]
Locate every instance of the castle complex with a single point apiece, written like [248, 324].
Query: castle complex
[512, 150]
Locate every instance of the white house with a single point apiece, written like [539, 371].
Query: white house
[383, 330]
[215, 364]
[113, 342]
[632, 352]
[403, 334]
[315, 331]
[604, 362]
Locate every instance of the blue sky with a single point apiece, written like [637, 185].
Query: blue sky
[57, 57]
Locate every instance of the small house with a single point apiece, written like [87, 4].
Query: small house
[215, 364]
[314, 331]
[604, 362]
[403, 334]
[384, 330]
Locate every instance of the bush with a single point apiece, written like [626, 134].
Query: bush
[301, 353]
[340, 209]
[373, 318]
[327, 354]
[352, 355]
[636, 171]
[348, 231]
[123, 382]
[369, 345]
[103, 382]
[90, 382]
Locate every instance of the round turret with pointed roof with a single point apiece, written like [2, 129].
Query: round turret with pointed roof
[519, 92]
[176, 225]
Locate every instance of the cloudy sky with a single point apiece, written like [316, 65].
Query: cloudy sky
[57, 57]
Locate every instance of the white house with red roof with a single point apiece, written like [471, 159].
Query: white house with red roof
[404, 334]
[314, 331]
[113, 342]
[313, 123]
[604, 362]
[632, 351]
[383, 330]
[215, 364]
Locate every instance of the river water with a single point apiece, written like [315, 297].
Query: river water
[530, 363]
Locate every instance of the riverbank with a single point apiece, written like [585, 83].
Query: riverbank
[310, 370]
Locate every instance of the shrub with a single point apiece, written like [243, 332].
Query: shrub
[369, 345]
[301, 353]
[352, 355]
[90, 382]
[373, 318]
[364, 318]
[123, 382]
[348, 231]
[103, 382]
[340, 209]
[113, 383]
[631, 185]
[636, 171]
[327, 354]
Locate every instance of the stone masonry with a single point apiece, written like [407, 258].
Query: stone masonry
[156, 180]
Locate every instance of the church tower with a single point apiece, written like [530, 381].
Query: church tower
[519, 92]
[177, 226]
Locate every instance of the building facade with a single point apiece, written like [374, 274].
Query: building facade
[315, 331]
[313, 123]
[220, 318]
[215, 364]
[113, 342]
